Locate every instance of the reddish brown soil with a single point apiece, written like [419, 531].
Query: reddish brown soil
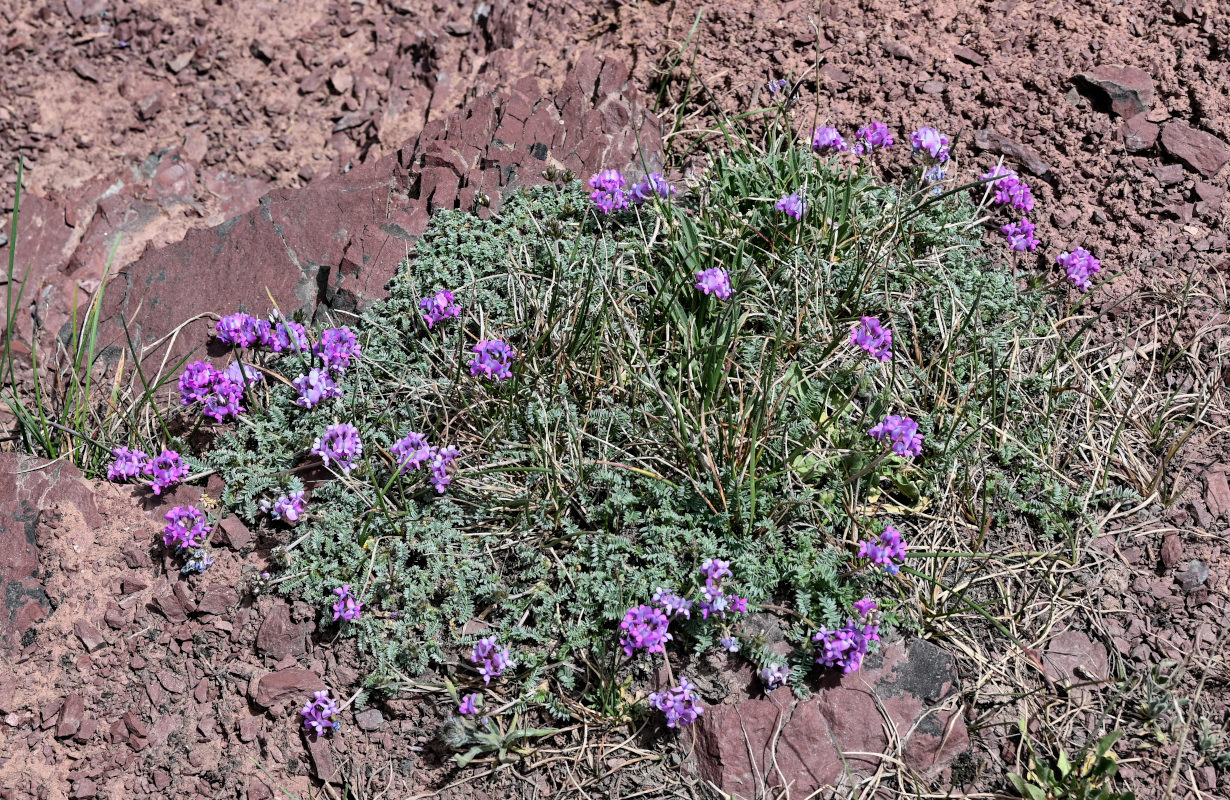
[91, 109]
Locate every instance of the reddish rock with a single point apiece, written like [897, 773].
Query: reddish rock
[1172, 550]
[968, 56]
[70, 716]
[1217, 490]
[273, 687]
[28, 486]
[278, 637]
[234, 532]
[812, 744]
[1072, 657]
[217, 600]
[1201, 151]
[131, 585]
[1010, 148]
[323, 765]
[89, 635]
[1138, 133]
[1128, 90]
[172, 682]
[171, 607]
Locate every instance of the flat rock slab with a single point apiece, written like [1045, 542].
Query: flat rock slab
[1128, 90]
[31, 493]
[757, 743]
[1201, 151]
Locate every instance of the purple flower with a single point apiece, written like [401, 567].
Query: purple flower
[672, 604]
[439, 467]
[865, 607]
[185, 528]
[776, 86]
[315, 387]
[491, 658]
[901, 432]
[1020, 235]
[608, 194]
[347, 607]
[340, 443]
[793, 205]
[773, 676]
[319, 712]
[729, 643]
[1081, 267]
[197, 382]
[223, 401]
[127, 465]
[284, 334]
[644, 628]
[412, 452]
[165, 470]
[647, 187]
[199, 561]
[874, 338]
[714, 280]
[715, 570]
[237, 329]
[287, 508]
[870, 137]
[469, 705]
[930, 144]
[238, 372]
[608, 180]
[337, 348]
[439, 307]
[826, 139]
[844, 648]
[887, 551]
[679, 704]
[493, 358]
[1009, 188]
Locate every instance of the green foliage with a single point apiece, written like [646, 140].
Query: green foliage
[647, 426]
[1064, 779]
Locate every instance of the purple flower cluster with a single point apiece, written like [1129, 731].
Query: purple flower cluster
[715, 281]
[680, 704]
[492, 358]
[337, 348]
[202, 383]
[827, 139]
[185, 528]
[286, 335]
[287, 508]
[439, 307]
[318, 714]
[412, 452]
[242, 330]
[845, 647]
[887, 551]
[1081, 266]
[341, 444]
[729, 643]
[491, 658]
[609, 194]
[930, 145]
[1010, 189]
[648, 187]
[672, 604]
[793, 205]
[713, 598]
[874, 338]
[773, 676]
[776, 86]
[1020, 235]
[347, 607]
[315, 387]
[242, 374]
[165, 470]
[870, 137]
[199, 561]
[901, 432]
[128, 464]
[469, 705]
[644, 628]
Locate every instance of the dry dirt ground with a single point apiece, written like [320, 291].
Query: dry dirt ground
[1132, 165]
